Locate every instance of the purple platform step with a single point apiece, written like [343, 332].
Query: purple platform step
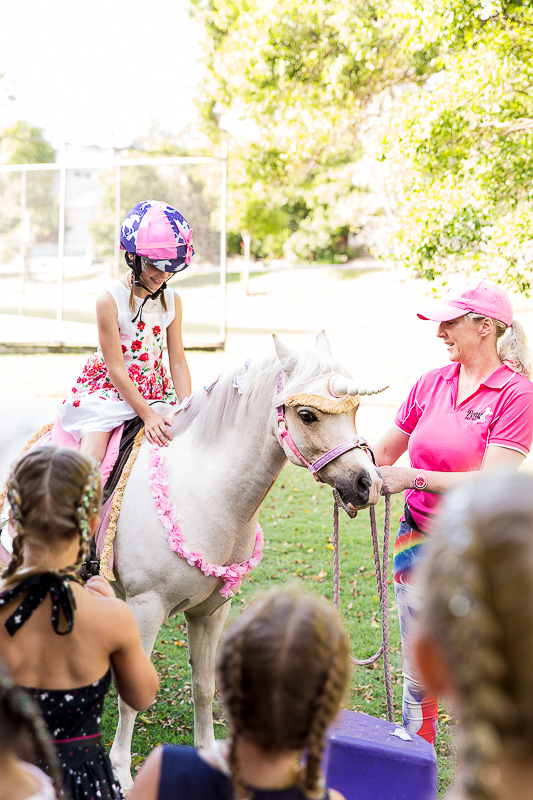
[366, 759]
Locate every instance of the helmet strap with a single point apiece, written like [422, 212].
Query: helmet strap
[136, 268]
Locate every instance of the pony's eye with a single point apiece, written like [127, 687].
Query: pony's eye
[307, 416]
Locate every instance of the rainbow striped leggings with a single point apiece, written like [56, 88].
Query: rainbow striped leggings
[419, 708]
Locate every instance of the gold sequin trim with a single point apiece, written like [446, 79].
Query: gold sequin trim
[324, 403]
[107, 549]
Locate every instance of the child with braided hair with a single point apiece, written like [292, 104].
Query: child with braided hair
[24, 740]
[283, 671]
[54, 495]
[475, 635]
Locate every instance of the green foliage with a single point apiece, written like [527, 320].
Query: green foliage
[266, 224]
[304, 72]
[302, 76]
[317, 240]
[136, 184]
[465, 144]
[445, 84]
[24, 143]
[194, 191]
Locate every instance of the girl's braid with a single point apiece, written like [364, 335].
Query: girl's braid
[13, 496]
[21, 724]
[234, 697]
[88, 506]
[326, 707]
[477, 581]
[283, 669]
[44, 749]
[132, 293]
[478, 678]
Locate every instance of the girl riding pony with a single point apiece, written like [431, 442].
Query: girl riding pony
[126, 374]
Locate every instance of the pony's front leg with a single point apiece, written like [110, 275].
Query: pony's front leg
[203, 632]
[149, 613]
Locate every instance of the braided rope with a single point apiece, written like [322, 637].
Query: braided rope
[107, 549]
[35, 438]
[382, 582]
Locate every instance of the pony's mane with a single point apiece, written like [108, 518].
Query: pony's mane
[224, 404]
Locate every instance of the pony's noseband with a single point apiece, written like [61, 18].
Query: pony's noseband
[322, 404]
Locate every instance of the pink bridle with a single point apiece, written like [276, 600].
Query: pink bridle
[321, 462]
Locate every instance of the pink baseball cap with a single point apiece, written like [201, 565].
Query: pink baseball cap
[485, 298]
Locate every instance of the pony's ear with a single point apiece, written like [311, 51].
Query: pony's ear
[283, 352]
[322, 343]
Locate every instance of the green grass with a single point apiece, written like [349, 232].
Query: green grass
[297, 522]
[189, 328]
[351, 274]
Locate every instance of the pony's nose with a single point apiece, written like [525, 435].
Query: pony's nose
[363, 484]
[355, 490]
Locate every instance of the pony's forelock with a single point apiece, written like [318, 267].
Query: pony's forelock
[257, 380]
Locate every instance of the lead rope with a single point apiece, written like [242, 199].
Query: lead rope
[382, 581]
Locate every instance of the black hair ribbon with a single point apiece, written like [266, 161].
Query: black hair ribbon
[37, 588]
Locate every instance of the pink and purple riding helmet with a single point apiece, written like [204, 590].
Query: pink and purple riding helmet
[158, 233]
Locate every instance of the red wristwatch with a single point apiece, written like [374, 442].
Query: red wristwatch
[421, 481]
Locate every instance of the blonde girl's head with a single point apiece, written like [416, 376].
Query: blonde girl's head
[283, 671]
[477, 584]
[53, 493]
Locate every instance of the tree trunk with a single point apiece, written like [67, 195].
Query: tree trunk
[247, 241]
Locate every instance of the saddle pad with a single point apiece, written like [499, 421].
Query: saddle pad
[117, 453]
[61, 438]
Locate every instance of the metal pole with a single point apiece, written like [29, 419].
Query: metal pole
[116, 249]
[223, 230]
[61, 234]
[23, 241]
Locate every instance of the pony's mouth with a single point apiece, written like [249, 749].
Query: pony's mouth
[356, 492]
[348, 507]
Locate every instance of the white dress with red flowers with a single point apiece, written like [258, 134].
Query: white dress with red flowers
[94, 404]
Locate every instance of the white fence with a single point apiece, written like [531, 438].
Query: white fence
[59, 236]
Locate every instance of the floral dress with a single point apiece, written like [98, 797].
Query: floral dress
[93, 403]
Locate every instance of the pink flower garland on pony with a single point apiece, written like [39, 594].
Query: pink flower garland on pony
[232, 575]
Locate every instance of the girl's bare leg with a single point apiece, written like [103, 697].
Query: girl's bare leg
[94, 444]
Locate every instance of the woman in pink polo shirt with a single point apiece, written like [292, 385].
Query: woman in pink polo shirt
[476, 413]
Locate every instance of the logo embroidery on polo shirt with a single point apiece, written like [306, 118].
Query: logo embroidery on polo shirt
[479, 416]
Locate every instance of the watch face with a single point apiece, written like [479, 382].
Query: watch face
[420, 482]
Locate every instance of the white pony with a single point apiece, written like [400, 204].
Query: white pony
[229, 446]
